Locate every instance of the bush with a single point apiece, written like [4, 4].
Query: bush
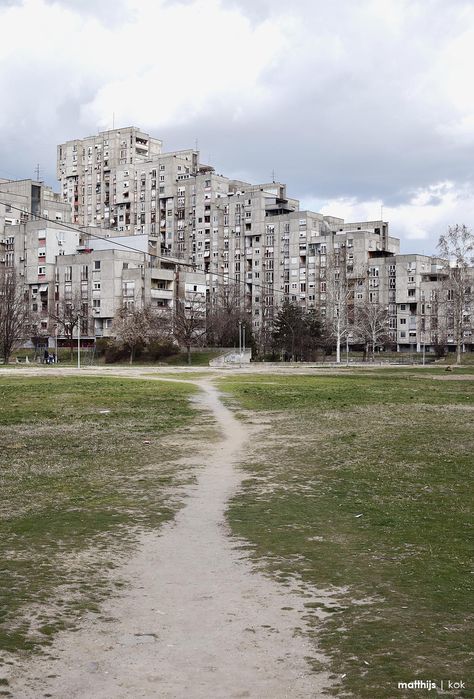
[157, 349]
[102, 344]
[116, 353]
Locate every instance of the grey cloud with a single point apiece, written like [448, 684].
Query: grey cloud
[434, 201]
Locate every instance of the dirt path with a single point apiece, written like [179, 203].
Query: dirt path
[196, 621]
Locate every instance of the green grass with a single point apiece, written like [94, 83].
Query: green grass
[200, 358]
[361, 489]
[77, 487]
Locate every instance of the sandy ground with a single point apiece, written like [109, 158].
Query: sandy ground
[196, 620]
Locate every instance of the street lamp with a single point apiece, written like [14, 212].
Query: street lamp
[240, 343]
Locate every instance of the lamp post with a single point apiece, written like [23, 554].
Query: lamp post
[240, 343]
[79, 318]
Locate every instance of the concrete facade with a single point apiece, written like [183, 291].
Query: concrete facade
[168, 214]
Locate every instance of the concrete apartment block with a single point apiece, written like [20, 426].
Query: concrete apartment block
[166, 217]
[21, 200]
[96, 173]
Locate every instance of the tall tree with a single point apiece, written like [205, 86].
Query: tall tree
[340, 283]
[223, 316]
[296, 331]
[456, 247]
[14, 314]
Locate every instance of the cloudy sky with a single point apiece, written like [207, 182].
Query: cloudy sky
[355, 104]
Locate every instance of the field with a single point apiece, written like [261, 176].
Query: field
[359, 486]
[86, 465]
[356, 494]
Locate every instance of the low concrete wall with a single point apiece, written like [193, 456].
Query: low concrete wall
[233, 358]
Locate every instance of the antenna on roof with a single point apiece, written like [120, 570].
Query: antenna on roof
[273, 176]
[113, 121]
[38, 172]
[381, 212]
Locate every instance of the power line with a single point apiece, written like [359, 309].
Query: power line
[150, 254]
[94, 235]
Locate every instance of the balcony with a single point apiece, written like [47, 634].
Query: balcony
[162, 294]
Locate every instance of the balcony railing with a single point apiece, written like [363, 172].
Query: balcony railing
[161, 293]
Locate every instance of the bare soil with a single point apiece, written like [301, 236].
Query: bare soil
[196, 619]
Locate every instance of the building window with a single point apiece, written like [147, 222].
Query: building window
[96, 264]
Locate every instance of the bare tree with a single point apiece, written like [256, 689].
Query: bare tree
[223, 316]
[39, 335]
[13, 313]
[67, 315]
[136, 327]
[456, 246]
[340, 288]
[372, 324]
[189, 322]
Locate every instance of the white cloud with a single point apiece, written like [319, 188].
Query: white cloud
[419, 222]
[206, 59]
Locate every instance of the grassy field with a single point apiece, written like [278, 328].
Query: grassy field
[361, 488]
[78, 485]
[198, 358]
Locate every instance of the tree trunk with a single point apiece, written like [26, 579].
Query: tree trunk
[189, 353]
[338, 340]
